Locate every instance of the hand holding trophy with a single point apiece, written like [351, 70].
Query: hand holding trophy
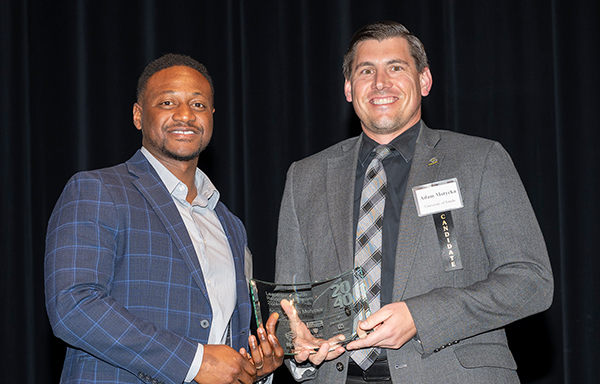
[305, 345]
[316, 319]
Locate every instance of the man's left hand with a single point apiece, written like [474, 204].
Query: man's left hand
[392, 326]
[267, 356]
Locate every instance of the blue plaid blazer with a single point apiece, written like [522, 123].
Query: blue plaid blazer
[123, 283]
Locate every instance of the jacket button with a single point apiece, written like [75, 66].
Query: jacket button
[339, 367]
[204, 323]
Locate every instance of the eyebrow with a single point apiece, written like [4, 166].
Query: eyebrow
[171, 92]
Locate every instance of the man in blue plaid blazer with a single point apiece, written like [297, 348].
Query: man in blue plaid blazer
[145, 268]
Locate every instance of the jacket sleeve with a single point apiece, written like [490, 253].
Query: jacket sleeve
[81, 254]
[518, 280]
[292, 259]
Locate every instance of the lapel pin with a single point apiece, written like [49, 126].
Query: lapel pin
[432, 161]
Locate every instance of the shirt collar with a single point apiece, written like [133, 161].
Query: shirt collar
[403, 143]
[207, 197]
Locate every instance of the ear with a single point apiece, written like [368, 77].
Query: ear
[137, 116]
[348, 90]
[426, 81]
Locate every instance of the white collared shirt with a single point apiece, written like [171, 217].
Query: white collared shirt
[212, 249]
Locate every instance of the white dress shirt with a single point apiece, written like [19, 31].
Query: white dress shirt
[212, 249]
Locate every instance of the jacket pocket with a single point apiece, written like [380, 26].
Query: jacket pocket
[485, 355]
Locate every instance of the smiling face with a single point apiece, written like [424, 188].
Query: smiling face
[385, 88]
[175, 114]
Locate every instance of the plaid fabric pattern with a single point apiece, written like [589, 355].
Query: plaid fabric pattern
[124, 287]
[368, 244]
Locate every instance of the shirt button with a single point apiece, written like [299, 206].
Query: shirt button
[204, 323]
[339, 367]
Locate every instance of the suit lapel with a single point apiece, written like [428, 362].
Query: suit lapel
[237, 246]
[341, 173]
[154, 191]
[424, 169]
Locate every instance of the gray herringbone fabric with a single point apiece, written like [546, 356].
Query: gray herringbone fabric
[508, 275]
[367, 253]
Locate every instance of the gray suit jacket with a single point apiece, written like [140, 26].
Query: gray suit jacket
[459, 314]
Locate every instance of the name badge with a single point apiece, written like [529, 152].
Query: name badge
[441, 196]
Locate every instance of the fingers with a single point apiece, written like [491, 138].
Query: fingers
[336, 340]
[302, 356]
[321, 354]
[337, 352]
[222, 364]
[265, 345]
[290, 311]
[268, 355]
[278, 352]
[249, 369]
[272, 322]
[392, 326]
[360, 333]
[256, 353]
[364, 342]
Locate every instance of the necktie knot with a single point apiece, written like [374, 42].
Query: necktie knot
[382, 151]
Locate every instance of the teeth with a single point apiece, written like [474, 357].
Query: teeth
[184, 132]
[382, 101]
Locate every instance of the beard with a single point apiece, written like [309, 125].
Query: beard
[385, 127]
[170, 154]
[161, 145]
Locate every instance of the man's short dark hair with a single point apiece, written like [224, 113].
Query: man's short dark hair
[382, 30]
[167, 61]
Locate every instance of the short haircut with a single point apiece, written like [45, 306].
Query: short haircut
[382, 30]
[167, 61]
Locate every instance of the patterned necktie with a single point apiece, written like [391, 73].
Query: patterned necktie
[367, 252]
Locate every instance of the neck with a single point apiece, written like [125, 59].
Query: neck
[386, 138]
[184, 171]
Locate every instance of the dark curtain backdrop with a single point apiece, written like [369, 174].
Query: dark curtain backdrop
[522, 72]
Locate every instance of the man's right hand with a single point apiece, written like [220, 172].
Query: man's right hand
[222, 364]
[305, 342]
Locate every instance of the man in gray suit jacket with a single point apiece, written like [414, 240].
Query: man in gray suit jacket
[461, 256]
[146, 270]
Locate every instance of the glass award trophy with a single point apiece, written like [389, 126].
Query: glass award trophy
[313, 312]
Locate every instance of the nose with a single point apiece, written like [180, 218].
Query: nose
[184, 113]
[381, 80]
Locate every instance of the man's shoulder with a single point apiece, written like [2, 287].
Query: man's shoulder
[116, 172]
[107, 175]
[116, 181]
[446, 139]
[336, 150]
